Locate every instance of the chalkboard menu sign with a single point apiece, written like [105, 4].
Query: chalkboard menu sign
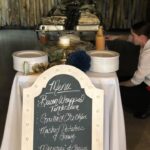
[60, 114]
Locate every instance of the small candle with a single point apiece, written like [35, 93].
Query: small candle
[64, 41]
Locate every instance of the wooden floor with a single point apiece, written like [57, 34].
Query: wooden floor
[137, 132]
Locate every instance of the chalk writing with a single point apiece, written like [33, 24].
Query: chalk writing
[62, 116]
[61, 129]
[74, 147]
[68, 117]
[57, 86]
[62, 99]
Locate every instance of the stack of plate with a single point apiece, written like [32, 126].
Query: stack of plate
[51, 27]
[30, 57]
[105, 61]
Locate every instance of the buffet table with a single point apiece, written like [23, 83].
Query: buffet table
[114, 128]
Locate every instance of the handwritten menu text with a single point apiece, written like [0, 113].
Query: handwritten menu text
[62, 116]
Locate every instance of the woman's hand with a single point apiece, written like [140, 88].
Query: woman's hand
[127, 83]
[124, 37]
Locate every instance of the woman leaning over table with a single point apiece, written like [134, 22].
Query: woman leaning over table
[135, 92]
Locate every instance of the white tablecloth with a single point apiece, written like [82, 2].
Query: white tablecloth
[114, 128]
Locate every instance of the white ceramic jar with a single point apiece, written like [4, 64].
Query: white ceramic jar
[104, 61]
[23, 61]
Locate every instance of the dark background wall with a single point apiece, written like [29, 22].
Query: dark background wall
[120, 14]
[115, 14]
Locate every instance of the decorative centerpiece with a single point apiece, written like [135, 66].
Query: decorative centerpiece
[64, 42]
[80, 59]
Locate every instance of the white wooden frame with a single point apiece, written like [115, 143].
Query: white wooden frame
[97, 96]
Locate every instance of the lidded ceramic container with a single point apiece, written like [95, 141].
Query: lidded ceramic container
[105, 61]
[26, 59]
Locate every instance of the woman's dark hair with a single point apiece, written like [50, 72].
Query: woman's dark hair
[142, 28]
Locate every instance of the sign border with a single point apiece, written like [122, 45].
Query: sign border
[97, 96]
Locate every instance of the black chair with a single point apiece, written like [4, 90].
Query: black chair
[128, 60]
